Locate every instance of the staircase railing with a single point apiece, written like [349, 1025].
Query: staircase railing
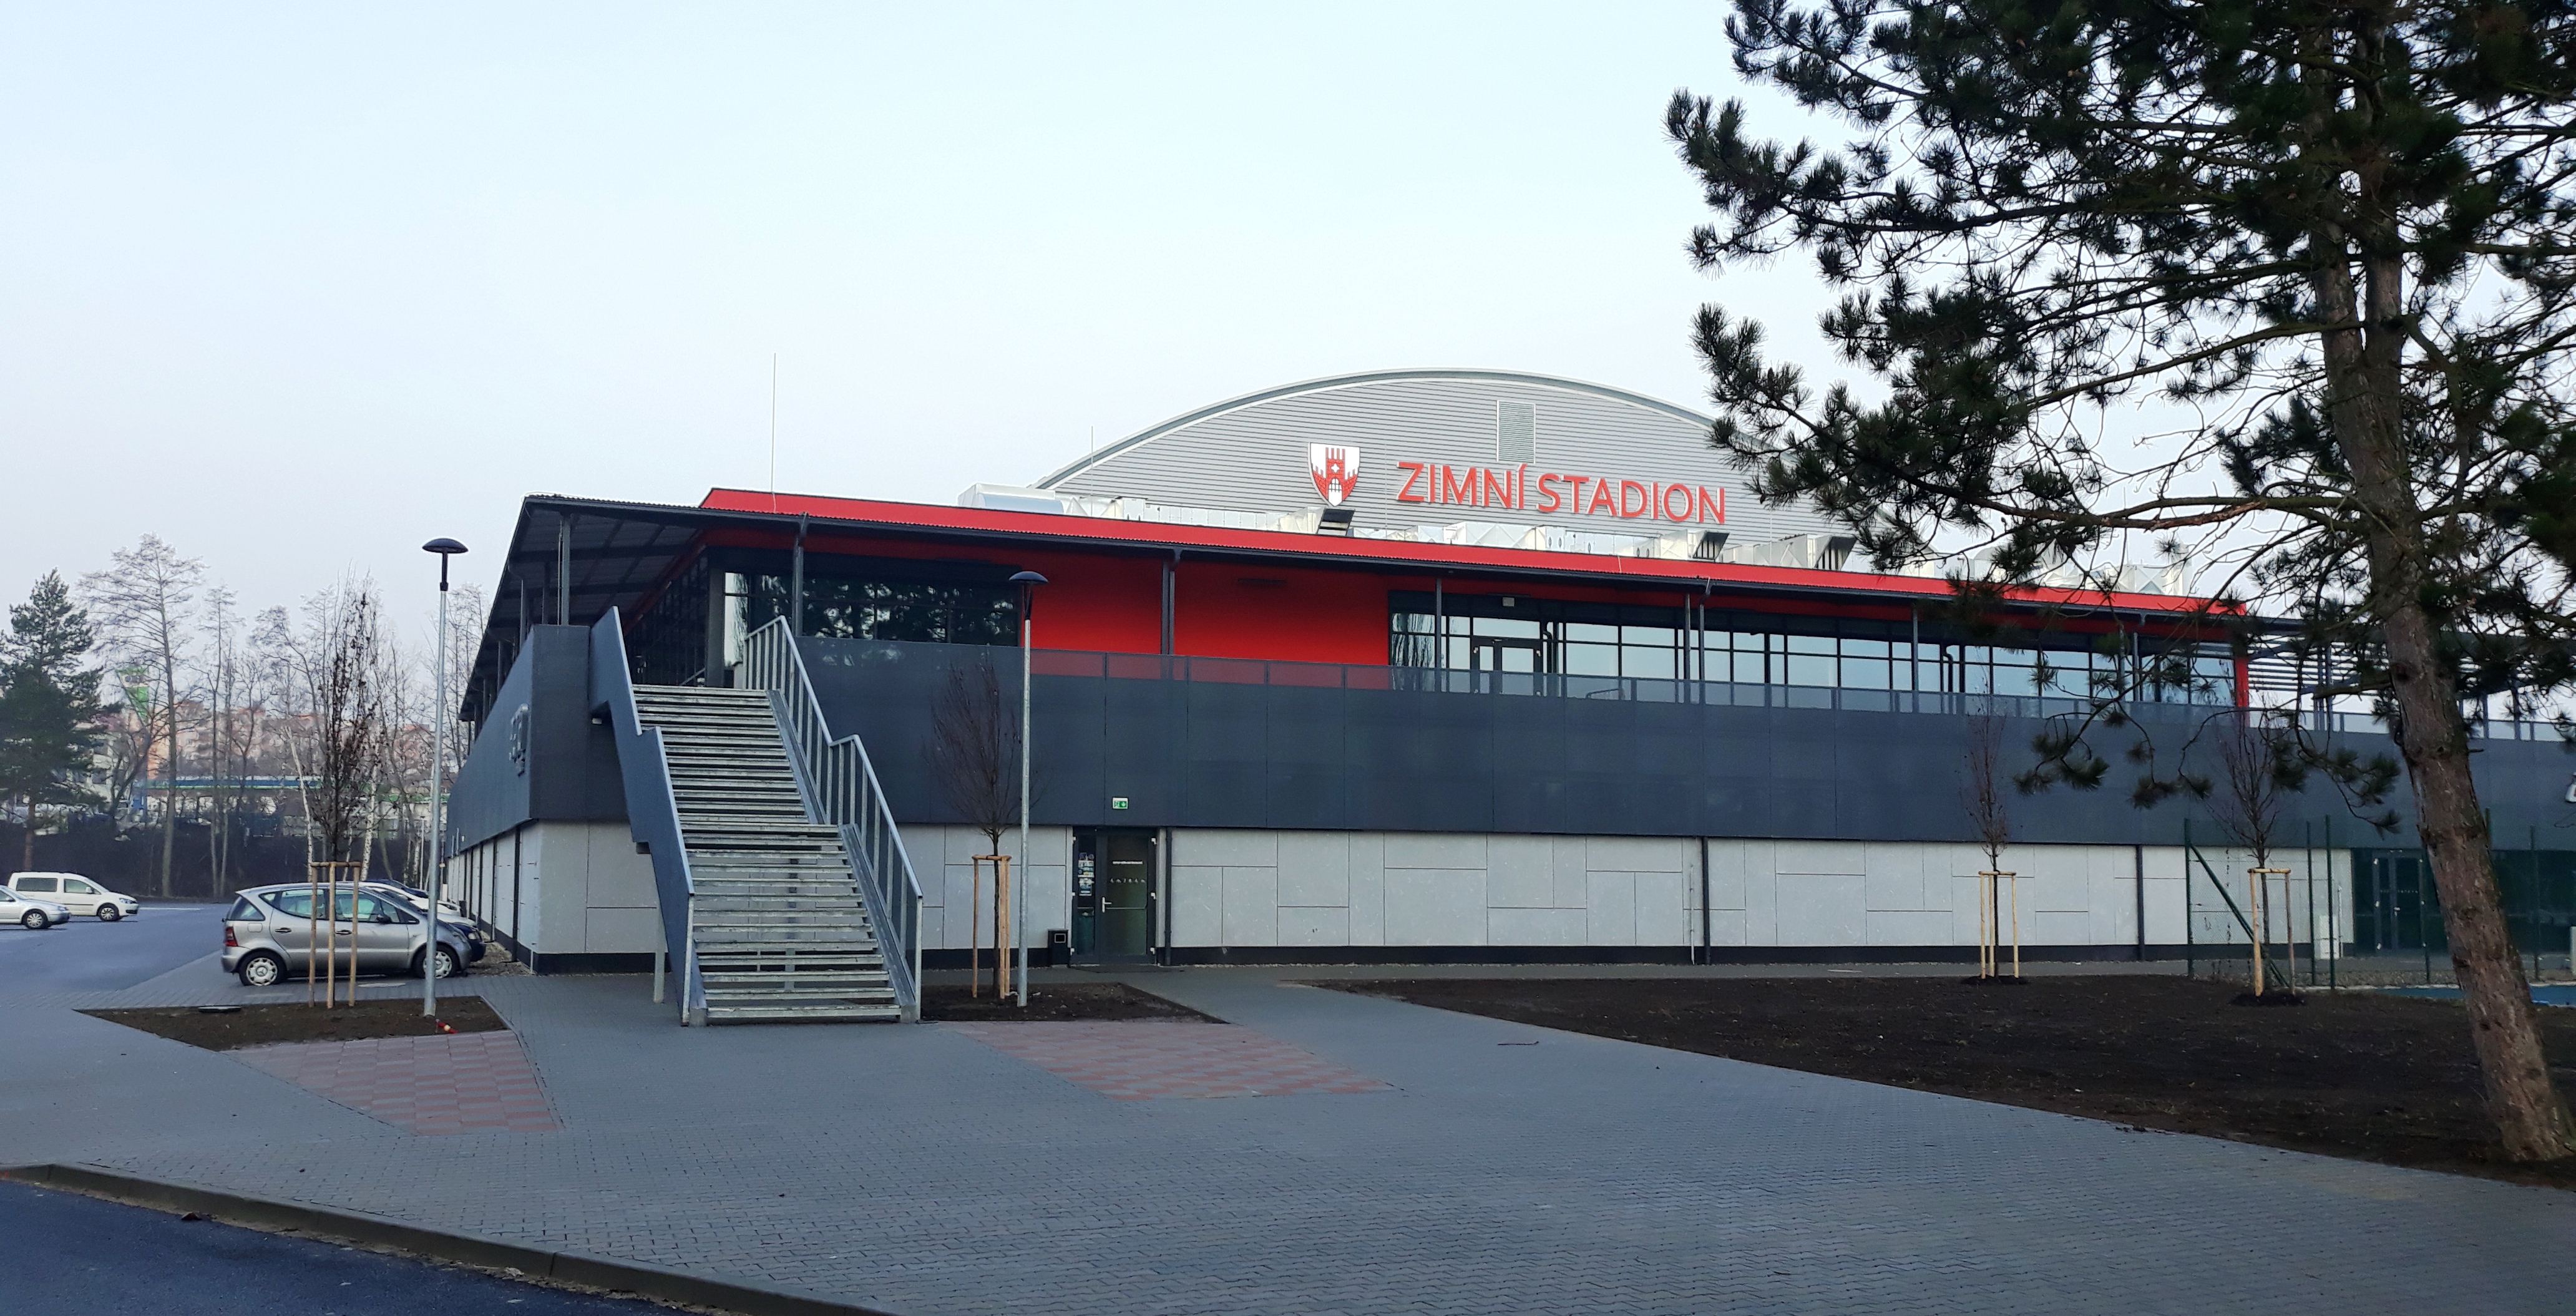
[840, 788]
[652, 811]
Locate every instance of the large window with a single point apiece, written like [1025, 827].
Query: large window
[850, 598]
[1518, 634]
[845, 598]
[848, 607]
[669, 644]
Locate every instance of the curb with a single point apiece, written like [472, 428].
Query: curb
[629, 1277]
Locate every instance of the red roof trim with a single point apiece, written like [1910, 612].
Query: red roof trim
[1157, 535]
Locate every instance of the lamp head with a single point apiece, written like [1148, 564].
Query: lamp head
[445, 549]
[1027, 578]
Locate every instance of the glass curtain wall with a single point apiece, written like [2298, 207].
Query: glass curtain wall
[1510, 634]
[845, 598]
[850, 599]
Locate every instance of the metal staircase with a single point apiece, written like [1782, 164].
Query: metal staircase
[777, 929]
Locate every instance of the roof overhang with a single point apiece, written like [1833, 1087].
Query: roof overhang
[572, 559]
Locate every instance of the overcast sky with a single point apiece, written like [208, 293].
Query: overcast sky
[299, 288]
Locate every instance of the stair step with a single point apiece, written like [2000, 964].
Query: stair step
[766, 1014]
[783, 934]
[738, 941]
[723, 923]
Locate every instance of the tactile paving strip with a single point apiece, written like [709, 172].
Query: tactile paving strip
[464, 1083]
[1142, 1060]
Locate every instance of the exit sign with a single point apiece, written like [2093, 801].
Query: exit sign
[1118, 801]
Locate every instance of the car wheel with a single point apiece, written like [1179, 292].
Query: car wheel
[445, 960]
[261, 969]
[109, 913]
[35, 921]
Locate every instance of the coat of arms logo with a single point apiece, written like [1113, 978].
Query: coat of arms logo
[1336, 469]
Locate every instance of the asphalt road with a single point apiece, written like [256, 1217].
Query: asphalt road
[86, 955]
[70, 1255]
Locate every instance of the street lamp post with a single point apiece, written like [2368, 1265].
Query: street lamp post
[1028, 581]
[445, 549]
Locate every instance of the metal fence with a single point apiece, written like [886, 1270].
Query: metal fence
[1652, 690]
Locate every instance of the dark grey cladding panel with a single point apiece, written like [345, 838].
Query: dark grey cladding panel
[1213, 754]
[551, 765]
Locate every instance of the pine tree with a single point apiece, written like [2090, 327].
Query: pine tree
[2342, 234]
[49, 702]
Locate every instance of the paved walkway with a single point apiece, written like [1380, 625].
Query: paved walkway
[1143, 1060]
[455, 1084]
[920, 1170]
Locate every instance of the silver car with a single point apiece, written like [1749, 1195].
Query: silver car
[448, 913]
[29, 912]
[269, 933]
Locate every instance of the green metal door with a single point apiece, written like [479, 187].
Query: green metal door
[1126, 882]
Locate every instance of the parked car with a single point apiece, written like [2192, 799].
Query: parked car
[81, 895]
[448, 912]
[31, 913]
[270, 933]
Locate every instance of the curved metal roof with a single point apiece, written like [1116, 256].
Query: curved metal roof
[1331, 382]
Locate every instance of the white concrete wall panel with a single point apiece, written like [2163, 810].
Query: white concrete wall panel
[1367, 851]
[1435, 850]
[1520, 873]
[1828, 858]
[1256, 890]
[1434, 906]
[1566, 869]
[1666, 907]
[1309, 925]
[1537, 927]
[1251, 906]
[943, 860]
[625, 909]
[623, 931]
[1314, 871]
[1761, 893]
[1823, 909]
[1612, 909]
[1894, 880]
[1197, 897]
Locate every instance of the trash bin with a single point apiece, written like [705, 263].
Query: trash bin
[1059, 948]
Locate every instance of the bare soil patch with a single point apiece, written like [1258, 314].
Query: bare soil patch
[1052, 1003]
[2363, 1075]
[259, 1025]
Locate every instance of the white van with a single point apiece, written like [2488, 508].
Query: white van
[76, 893]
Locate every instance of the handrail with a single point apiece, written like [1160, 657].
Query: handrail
[652, 811]
[840, 788]
[1187, 669]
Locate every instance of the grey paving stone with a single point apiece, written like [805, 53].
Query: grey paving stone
[916, 1170]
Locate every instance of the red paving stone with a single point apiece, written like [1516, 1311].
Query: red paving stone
[464, 1083]
[1139, 1060]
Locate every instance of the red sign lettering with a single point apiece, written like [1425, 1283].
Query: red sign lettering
[1509, 488]
[1406, 494]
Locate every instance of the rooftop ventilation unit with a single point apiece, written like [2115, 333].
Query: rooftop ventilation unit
[1516, 431]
